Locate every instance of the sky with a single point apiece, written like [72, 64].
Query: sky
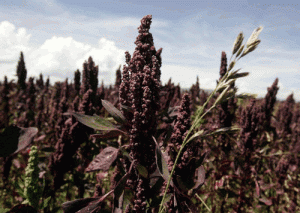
[58, 36]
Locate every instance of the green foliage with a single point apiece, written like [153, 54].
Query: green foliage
[32, 191]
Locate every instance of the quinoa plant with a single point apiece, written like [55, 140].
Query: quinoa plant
[32, 190]
[225, 90]
[21, 73]
[141, 164]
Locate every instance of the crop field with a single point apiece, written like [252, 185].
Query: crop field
[139, 146]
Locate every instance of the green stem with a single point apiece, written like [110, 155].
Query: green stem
[198, 117]
[184, 143]
[203, 202]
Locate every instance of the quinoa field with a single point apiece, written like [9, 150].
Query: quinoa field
[139, 146]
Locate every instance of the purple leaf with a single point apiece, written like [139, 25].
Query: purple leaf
[94, 122]
[114, 112]
[266, 201]
[15, 139]
[118, 204]
[162, 163]
[84, 205]
[76, 205]
[103, 160]
[257, 188]
[200, 177]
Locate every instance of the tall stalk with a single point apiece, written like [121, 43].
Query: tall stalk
[225, 92]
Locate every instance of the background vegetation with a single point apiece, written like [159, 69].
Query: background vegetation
[139, 146]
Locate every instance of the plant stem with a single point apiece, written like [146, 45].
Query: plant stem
[203, 202]
[185, 142]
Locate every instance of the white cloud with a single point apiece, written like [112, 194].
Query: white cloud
[186, 75]
[59, 57]
[194, 44]
[11, 41]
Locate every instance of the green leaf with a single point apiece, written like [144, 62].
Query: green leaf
[125, 153]
[114, 112]
[46, 202]
[224, 130]
[128, 196]
[94, 122]
[196, 135]
[142, 170]
[15, 139]
[162, 163]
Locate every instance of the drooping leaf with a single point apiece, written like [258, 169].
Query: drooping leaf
[162, 163]
[103, 160]
[15, 139]
[94, 122]
[114, 112]
[84, 205]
